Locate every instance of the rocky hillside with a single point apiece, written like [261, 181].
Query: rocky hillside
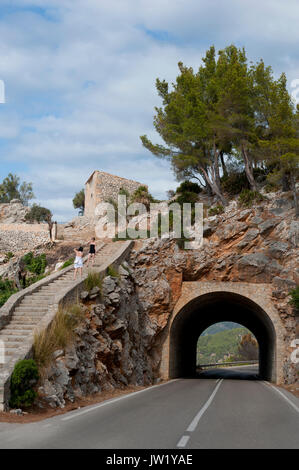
[13, 212]
[120, 341]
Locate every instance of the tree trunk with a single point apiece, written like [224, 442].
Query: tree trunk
[286, 186]
[215, 188]
[293, 187]
[224, 169]
[208, 186]
[248, 169]
[216, 167]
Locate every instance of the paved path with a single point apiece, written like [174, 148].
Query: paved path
[185, 413]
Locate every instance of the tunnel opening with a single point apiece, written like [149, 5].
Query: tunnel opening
[227, 350]
[202, 312]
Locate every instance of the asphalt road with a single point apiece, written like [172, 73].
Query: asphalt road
[211, 413]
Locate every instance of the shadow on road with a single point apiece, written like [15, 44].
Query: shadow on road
[250, 373]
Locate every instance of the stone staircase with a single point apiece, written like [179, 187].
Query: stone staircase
[29, 313]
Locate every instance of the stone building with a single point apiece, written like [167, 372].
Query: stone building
[101, 186]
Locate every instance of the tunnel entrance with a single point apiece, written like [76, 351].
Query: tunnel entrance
[205, 310]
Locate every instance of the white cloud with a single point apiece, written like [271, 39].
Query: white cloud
[82, 83]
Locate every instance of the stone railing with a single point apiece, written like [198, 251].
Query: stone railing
[67, 296]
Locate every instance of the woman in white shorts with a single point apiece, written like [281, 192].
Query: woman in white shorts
[78, 263]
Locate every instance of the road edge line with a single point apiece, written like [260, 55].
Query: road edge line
[113, 400]
[268, 384]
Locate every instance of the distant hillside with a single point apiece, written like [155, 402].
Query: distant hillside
[223, 326]
[218, 346]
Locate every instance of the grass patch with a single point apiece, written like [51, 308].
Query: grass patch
[67, 263]
[112, 271]
[58, 335]
[93, 280]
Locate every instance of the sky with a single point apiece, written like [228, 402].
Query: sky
[80, 75]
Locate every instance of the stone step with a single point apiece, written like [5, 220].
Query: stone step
[37, 303]
[10, 345]
[13, 328]
[31, 308]
[10, 352]
[25, 320]
[12, 333]
[10, 338]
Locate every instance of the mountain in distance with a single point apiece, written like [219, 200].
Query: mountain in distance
[222, 326]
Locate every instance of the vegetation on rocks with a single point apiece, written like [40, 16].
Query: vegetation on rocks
[219, 209]
[7, 288]
[59, 334]
[35, 264]
[112, 271]
[248, 197]
[295, 297]
[93, 280]
[67, 263]
[23, 379]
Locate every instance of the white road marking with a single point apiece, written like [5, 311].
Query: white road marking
[195, 421]
[183, 441]
[114, 400]
[268, 384]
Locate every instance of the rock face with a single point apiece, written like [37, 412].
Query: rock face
[13, 212]
[110, 350]
[121, 339]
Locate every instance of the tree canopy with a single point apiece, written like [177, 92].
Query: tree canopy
[227, 110]
[79, 201]
[11, 188]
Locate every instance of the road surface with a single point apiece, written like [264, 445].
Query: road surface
[212, 413]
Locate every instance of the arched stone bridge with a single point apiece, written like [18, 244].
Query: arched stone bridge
[202, 304]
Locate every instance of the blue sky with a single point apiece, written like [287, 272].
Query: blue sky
[80, 76]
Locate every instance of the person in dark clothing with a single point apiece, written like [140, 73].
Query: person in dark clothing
[92, 251]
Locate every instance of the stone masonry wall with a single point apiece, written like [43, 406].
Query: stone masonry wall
[104, 186]
[17, 238]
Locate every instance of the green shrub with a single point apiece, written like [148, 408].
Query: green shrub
[270, 187]
[35, 264]
[93, 280]
[248, 197]
[7, 288]
[8, 256]
[189, 187]
[24, 376]
[67, 263]
[219, 209]
[295, 297]
[234, 183]
[187, 197]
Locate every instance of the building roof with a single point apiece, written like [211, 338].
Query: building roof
[113, 176]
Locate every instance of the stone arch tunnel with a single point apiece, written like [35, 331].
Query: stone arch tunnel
[204, 303]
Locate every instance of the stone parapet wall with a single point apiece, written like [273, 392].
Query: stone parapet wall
[28, 228]
[20, 237]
